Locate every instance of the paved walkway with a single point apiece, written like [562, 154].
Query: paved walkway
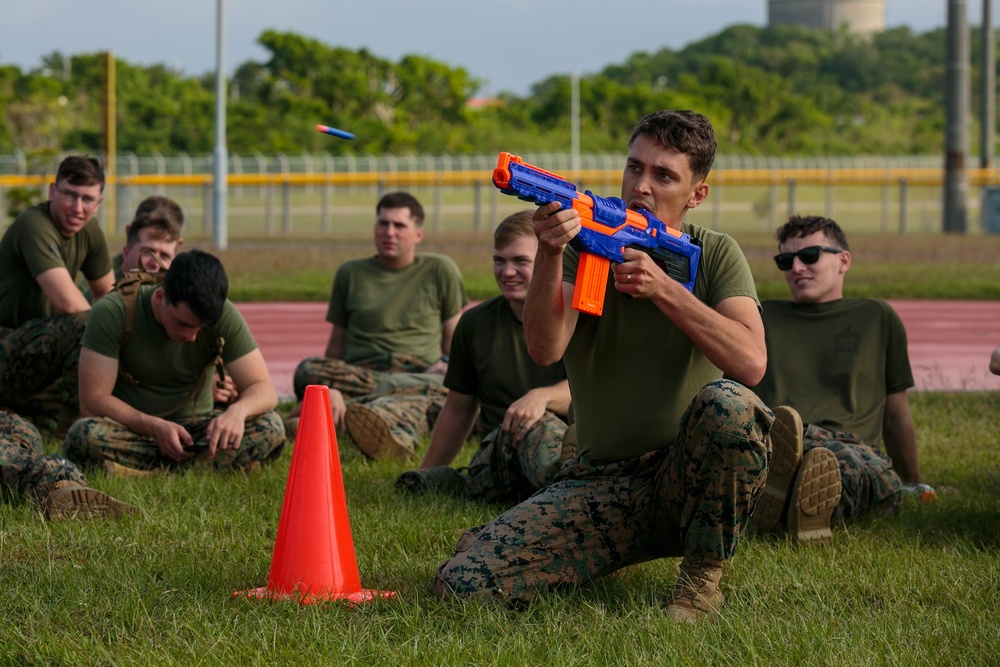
[950, 341]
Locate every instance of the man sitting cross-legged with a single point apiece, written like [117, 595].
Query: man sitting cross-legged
[391, 313]
[147, 399]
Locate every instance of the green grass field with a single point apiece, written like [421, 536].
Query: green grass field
[891, 266]
[920, 588]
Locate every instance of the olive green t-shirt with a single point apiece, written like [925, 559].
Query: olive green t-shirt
[835, 362]
[632, 372]
[395, 310]
[32, 245]
[489, 360]
[166, 370]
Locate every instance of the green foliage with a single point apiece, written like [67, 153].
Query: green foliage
[779, 90]
[18, 199]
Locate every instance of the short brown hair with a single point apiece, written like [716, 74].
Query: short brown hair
[158, 213]
[686, 132]
[80, 170]
[402, 200]
[513, 227]
[799, 225]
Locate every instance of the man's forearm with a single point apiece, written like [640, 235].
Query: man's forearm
[451, 431]
[903, 452]
[111, 407]
[256, 399]
[900, 438]
[722, 333]
[544, 311]
[557, 398]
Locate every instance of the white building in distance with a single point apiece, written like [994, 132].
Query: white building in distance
[864, 17]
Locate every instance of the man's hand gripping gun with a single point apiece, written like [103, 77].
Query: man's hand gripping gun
[607, 226]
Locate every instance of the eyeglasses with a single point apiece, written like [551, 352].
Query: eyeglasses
[70, 197]
[809, 255]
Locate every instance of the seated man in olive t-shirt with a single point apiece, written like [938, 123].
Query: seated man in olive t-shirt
[147, 401]
[42, 313]
[840, 369]
[391, 313]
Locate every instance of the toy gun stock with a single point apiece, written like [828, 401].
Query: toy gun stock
[607, 226]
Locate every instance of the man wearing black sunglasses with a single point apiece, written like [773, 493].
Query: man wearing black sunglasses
[839, 369]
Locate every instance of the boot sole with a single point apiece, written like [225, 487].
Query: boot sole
[85, 503]
[814, 497]
[112, 469]
[786, 455]
[372, 435]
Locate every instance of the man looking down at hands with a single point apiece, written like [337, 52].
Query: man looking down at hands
[658, 473]
[147, 399]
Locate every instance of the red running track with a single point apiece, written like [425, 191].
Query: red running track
[950, 341]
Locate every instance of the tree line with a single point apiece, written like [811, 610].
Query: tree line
[778, 90]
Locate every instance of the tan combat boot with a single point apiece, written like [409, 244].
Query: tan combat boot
[786, 454]
[815, 495]
[371, 433]
[70, 500]
[113, 469]
[697, 595]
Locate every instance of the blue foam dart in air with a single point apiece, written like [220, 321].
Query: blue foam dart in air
[334, 131]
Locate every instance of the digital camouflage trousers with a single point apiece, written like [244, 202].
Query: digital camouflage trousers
[408, 403]
[499, 472]
[354, 379]
[95, 440]
[691, 498]
[38, 369]
[25, 470]
[868, 481]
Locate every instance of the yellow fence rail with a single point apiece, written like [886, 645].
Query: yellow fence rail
[748, 177]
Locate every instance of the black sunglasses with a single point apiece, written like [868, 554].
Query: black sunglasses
[809, 255]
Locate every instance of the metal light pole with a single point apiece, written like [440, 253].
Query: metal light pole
[956, 178]
[575, 123]
[219, 231]
[988, 112]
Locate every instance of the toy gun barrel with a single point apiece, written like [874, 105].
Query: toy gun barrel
[607, 226]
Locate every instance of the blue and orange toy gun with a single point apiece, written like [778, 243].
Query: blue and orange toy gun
[607, 226]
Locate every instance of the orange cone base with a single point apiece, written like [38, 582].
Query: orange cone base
[362, 596]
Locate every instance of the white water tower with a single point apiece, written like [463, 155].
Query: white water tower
[860, 16]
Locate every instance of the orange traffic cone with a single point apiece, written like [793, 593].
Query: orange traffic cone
[313, 552]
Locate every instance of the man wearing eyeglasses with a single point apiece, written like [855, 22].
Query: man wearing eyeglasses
[839, 367]
[42, 312]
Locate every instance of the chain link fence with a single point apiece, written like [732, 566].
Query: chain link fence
[309, 196]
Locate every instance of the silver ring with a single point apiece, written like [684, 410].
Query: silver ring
[628, 279]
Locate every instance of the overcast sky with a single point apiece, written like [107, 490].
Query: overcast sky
[509, 45]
